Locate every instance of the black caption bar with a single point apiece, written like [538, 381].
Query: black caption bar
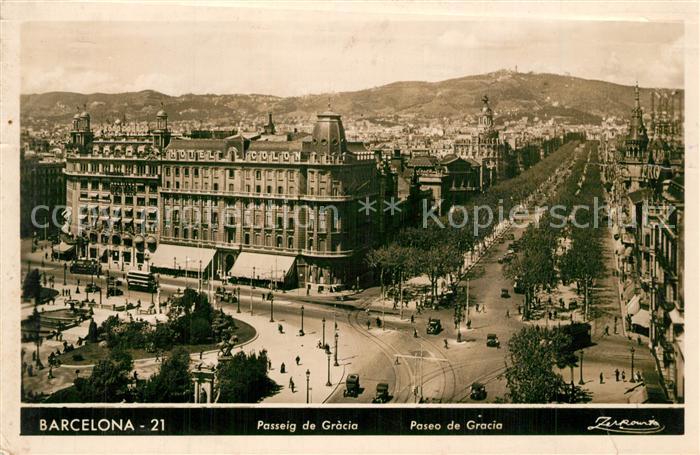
[351, 421]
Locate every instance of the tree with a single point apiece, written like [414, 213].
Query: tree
[243, 378]
[31, 288]
[92, 331]
[172, 383]
[109, 381]
[530, 375]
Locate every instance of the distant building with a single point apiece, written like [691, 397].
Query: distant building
[42, 193]
[484, 146]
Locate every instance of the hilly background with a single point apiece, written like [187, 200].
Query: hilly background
[512, 96]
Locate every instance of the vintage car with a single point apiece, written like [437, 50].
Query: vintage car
[492, 340]
[382, 395]
[434, 326]
[505, 294]
[478, 391]
[352, 385]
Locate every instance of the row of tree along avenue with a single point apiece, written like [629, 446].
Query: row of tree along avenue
[554, 253]
[438, 250]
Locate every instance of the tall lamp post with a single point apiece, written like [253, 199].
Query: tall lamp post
[308, 374]
[301, 332]
[580, 379]
[328, 381]
[272, 302]
[65, 268]
[632, 374]
[323, 321]
[238, 300]
[335, 351]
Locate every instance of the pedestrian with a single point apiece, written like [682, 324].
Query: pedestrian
[623, 376]
[549, 315]
[415, 333]
[477, 307]
[445, 343]
[601, 377]
[639, 376]
[617, 375]
[469, 324]
[269, 364]
[291, 384]
[201, 353]
[283, 369]
[607, 331]
[298, 359]
[507, 314]
[413, 319]
[639, 340]
[368, 324]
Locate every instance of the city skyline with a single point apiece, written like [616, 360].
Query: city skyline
[129, 56]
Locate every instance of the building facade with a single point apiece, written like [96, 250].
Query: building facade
[42, 194]
[645, 176]
[112, 185]
[288, 212]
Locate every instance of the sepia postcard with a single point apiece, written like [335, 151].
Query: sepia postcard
[462, 222]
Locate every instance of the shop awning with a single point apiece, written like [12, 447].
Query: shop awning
[633, 305]
[641, 318]
[181, 257]
[138, 239]
[63, 247]
[266, 266]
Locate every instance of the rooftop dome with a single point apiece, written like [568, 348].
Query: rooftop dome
[329, 135]
[161, 113]
[84, 114]
[76, 116]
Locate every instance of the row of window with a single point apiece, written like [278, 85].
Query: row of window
[118, 199]
[107, 185]
[124, 169]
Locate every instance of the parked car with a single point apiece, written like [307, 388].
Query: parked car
[92, 287]
[114, 291]
[492, 340]
[434, 326]
[112, 281]
[505, 294]
[478, 391]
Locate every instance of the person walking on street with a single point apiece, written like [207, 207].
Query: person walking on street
[507, 314]
[601, 377]
[617, 375]
[445, 343]
[291, 384]
[607, 331]
[623, 375]
[298, 359]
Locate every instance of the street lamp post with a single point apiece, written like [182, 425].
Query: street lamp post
[65, 267]
[272, 302]
[632, 373]
[335, 351]
[301, 332]
[238, 300]
[328, 381]
[580, 379]
[323, 321]
[308, 374]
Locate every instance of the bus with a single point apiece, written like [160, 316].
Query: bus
[141, 281]
[86, 267]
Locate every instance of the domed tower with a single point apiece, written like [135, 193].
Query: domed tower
[81, 136]
[328, 136]
[486, 115]
[161, 135]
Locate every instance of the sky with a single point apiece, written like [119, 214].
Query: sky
[334, 52]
